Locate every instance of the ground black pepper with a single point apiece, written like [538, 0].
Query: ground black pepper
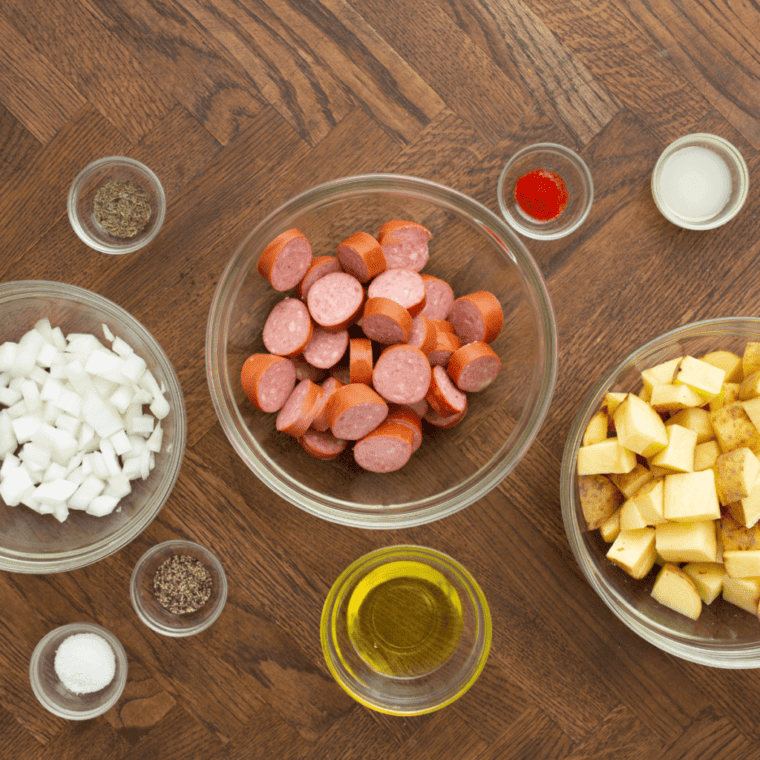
[182, 584]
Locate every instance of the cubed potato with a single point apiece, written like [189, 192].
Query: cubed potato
[734, 535]
[596, 429]
[706, 379]
[707, 577]
[728, 394]
[747, 511]
[696, 419]
[691, 496]
[750, 387]
[634, 551]
[639, 427]
[687, 542]
[751, 358]
[660, 374]
[752, 410]
[736, 473]
[612, 401]
[675, 589]
[734, 429]
[729, 362]
[649, 500]
[630, 516]
[742, 563]
[610, 528]
[743, 592]
[673, 398]
[604, 458]
[678, 455]
[705, 455]
[630, 482]
[599, 498]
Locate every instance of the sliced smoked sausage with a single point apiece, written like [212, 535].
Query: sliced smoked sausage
[477, 316]
[268, 380]
[402, 374]
[285, 260]
[385, 449]
[404, 244]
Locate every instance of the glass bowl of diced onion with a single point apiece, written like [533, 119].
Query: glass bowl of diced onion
[726, 633]
[92, 427]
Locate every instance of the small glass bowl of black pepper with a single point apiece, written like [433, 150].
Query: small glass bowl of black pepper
[116, 205]
[178, 588]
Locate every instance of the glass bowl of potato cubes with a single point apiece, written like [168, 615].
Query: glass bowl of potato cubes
[660, 491]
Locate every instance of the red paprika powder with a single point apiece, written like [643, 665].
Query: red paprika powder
[541, 194]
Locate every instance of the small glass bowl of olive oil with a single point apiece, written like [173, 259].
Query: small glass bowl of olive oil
[406, 630]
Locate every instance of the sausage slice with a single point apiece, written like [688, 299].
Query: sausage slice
[473, 367]
[385, 449]
[285, 260]
[268, 380]
[404, 244]
[477, 316]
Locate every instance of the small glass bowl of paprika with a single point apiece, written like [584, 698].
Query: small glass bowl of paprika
[545, 191]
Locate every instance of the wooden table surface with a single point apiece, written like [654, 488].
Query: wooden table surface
[239, 104]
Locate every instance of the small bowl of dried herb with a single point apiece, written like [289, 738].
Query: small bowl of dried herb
[178, 588]
[116, 205]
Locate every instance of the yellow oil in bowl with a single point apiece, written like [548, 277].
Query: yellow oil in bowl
[405, 619]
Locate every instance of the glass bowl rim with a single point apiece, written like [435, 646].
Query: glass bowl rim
[73, 628]
[73, 559]
[487, 477]
[201, 625]
[74, 193]
[730, 151]
[383, 555]
[553, 233]
[726, 656]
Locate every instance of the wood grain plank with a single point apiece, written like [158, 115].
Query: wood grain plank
[15, 740]
[711, 735]
[449, 61]
[441, 732]
[266, 735]
[31, 88]
[531, 736]
[525, 47]
[124, 91]
[33, 199]
[711, 51]
[640, 74]
[18, 146]
[86, 740]
[218, 94]
[141, 707]
[620, 735]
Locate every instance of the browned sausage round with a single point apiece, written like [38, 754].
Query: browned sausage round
[299, 410]
[268, 380]
[477, 316]
[288, 328]
[404, 286]
[335, 300]
[402, 374]
[405, 244]
[325, 348]
[285, 260]
[322, 445]
[320, 421]
[361, 256]
[439, 297]
[385, 321]
[385, 449]
[360, 360]
[320, 266]
[444, 397]
[473, 367]
[355, 410]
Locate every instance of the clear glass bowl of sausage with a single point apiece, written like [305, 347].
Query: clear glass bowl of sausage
[381, 351]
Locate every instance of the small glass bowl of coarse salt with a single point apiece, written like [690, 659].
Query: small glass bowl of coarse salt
[78, 671]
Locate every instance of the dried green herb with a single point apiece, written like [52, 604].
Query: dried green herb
[122, 207]
[182, 584]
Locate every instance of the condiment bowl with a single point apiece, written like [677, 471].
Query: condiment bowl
[408, 625]
[38, 543]
[472, 249]
[693, 169]
[51, 692]
[561, 161]
[81, 204]
[157, 617]
[724, 635]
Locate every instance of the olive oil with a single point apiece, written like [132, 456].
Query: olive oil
[405, 619]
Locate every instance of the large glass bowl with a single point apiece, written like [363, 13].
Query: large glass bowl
[724, 636]
[473, 250]
[34, 543]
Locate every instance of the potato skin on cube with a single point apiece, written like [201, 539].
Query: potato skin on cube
[599, 497]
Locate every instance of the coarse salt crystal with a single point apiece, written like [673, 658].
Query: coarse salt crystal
[85, 663]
